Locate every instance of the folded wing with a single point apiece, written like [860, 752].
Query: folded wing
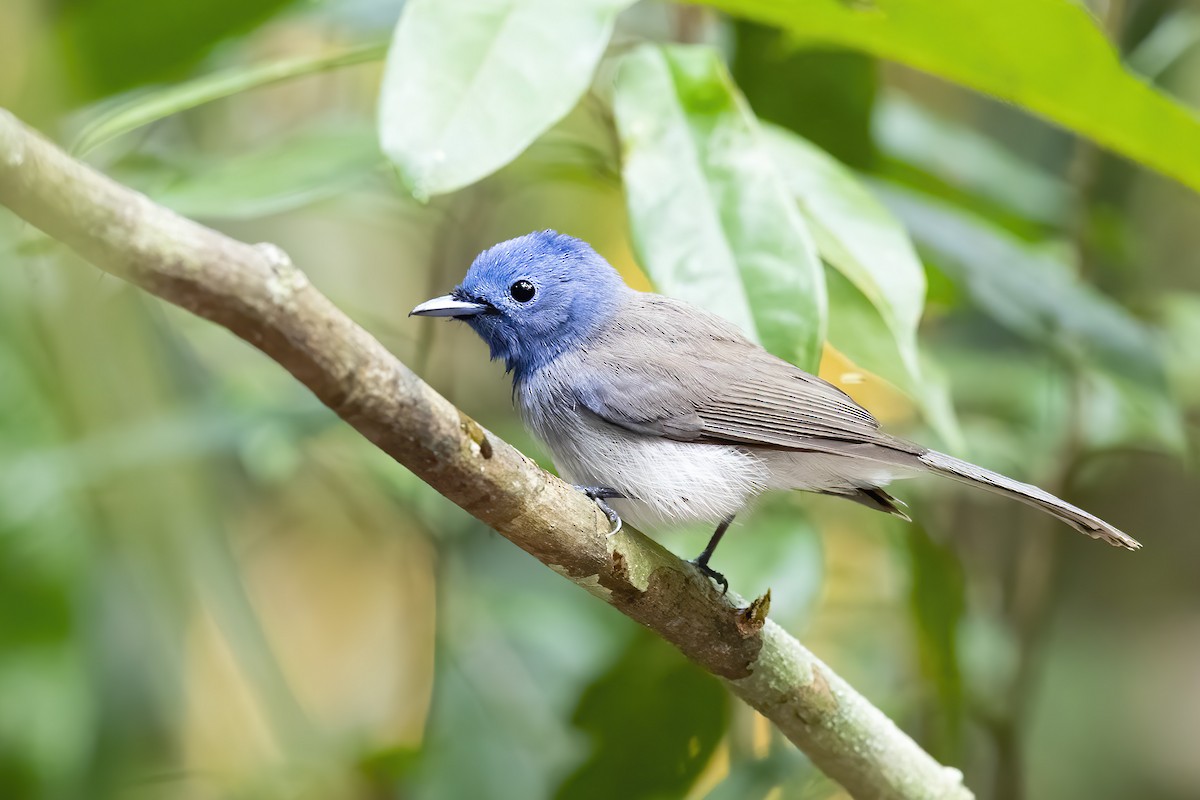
[666, 369]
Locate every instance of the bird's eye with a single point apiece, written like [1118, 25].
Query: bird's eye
[522, 291]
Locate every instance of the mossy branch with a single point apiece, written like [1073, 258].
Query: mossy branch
[257, 293]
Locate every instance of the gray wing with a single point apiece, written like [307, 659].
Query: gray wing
[663, 368]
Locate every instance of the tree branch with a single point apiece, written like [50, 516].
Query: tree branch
[256, 292]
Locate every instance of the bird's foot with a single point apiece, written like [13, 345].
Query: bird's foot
[700, 562]
[710, 573]
[598, 495]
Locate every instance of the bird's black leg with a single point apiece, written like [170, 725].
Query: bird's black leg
[598, 494]
[701, 561]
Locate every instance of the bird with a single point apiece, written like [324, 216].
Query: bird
[663, 413]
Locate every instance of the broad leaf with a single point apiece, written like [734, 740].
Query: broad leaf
[1045, 55]
[654, 719]
[712, 222]
[112, 119]
[469, 84]
[873, 321]
[858, 236]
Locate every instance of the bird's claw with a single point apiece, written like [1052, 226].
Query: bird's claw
[612, 515]
[711, 574]
[600, 494]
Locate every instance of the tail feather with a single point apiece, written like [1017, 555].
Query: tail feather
[874, 498]
[1077, 518]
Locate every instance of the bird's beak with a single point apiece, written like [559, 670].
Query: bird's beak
[447, 306]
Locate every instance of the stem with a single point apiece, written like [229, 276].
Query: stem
[141, 109]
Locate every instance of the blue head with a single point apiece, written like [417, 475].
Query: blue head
[533, 297]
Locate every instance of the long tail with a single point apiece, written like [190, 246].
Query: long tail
[1077, 518]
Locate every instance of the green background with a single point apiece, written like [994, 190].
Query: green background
[976, 217]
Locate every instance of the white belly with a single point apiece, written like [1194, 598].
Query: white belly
[666, 483]
[669, 483]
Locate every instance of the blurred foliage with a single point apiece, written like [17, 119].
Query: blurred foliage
[211, 588]
[684, 711]
[774, 74]
[131, 111]
[99, 36]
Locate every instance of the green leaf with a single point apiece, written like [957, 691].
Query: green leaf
[969, 161]
[284, 176]
[1028, 290]
[784, 83]
[937, 601]
[857, 235]
[470, 84]
[711, 221]
[1116, 411]
[1035, 295]
[115, 118]
[1181, 317]
[654, 719]
[783, 772]
[865, 243]
[1047, 56]
[111, 45]
[858, 330]
[1171, 39]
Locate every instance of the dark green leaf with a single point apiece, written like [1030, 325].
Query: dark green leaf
[116, 44]
[654, 719]
[937, 596]
[786, 84]
[712, 222]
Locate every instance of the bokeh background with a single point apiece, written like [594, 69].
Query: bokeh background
[211, 588]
